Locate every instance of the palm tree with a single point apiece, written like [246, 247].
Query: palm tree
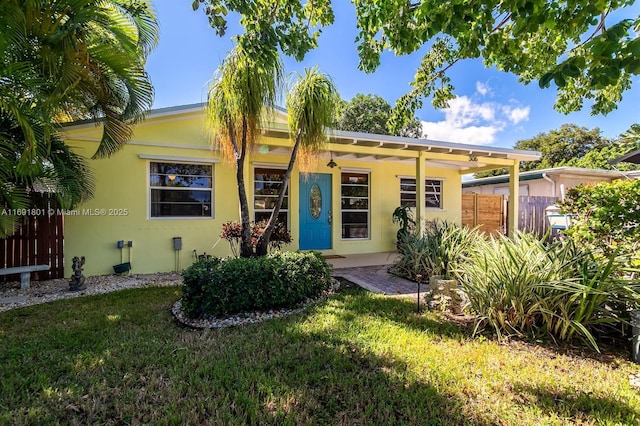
[240, 98]
[310, 107]
[69, 59]
[62, 60]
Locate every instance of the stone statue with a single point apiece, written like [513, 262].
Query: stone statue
[77, 282]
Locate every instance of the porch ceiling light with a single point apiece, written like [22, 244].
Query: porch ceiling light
[331, 164]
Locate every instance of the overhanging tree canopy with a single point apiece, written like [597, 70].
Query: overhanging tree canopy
[576, 45]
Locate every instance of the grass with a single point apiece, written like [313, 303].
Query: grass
[357, 358]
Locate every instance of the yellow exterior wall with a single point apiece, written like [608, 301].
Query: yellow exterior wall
[122, 182]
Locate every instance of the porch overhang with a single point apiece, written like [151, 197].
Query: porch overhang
[465, 158]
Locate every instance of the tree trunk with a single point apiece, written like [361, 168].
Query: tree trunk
[246, 250]
[263, 240]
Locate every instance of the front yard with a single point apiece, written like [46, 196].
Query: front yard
[354, 359]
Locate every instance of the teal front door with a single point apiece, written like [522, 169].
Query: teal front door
[315, 211]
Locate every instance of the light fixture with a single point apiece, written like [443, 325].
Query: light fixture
[331, 164]
[171, 177]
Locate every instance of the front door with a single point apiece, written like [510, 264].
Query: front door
[315, 211]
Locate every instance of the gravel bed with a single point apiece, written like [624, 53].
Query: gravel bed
[12, 296]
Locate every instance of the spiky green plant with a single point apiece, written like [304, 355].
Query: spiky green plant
[436, 251]
[523, 287]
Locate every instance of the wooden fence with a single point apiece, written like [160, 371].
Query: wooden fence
[38, 241]
[532, 215]
[491, 213]
[484, 210]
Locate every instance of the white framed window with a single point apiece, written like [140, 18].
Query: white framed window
[266, 185]
[180, 190]
[354, 200]
[432, 190]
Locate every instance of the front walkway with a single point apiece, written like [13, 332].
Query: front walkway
[370, 271]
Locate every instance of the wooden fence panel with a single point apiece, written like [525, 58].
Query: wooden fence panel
[532, 216]
[469, 210]
[485, 211]
[38, 241]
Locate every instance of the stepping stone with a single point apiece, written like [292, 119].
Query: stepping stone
[13, 299]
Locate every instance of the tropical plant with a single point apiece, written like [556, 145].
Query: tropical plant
[75, 59]
[240, 97]
[523, 287]
[436, 251]
[232, 233]
[402, 215]
[64, 60]
[310, 109]
[588, 51]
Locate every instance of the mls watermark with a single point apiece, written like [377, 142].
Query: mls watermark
[64, 212]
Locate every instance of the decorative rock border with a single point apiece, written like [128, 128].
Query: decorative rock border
[245, 318]
[242, 318]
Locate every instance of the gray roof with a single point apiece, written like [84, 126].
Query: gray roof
[538, 174]
[630, 157]
[366, 139]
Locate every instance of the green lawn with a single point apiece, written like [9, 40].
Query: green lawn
[357, 358]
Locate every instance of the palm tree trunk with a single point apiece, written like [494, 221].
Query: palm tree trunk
[263, 240]
[245, 241]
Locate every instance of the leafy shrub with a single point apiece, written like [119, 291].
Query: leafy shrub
[232, 232]
[436, 251]
[521, 286]
[607, 217]
[280, 280]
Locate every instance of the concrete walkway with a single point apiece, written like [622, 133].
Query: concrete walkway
[370, 271]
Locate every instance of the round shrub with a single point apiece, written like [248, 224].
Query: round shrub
[226, 286]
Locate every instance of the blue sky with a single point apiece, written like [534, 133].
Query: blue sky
[492, 108]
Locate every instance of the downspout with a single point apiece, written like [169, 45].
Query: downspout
[553, 184]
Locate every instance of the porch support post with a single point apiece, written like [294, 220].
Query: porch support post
[514, 193]
[420, 192]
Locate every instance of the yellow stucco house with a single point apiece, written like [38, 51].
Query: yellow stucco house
[167, 193]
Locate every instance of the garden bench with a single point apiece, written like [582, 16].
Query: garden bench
[25, 273]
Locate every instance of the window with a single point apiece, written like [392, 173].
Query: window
[432, 189]
[354, 197]
[265, 194]
[181, 190]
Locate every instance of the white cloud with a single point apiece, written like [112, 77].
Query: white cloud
[482, 88]
[448, 132]
[474, 123]
[516, 115]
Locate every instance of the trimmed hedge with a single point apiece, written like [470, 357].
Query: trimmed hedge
[222, 286]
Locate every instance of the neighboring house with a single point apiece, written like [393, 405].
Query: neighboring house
[167, 182]
[541, 183]
[630, 157]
